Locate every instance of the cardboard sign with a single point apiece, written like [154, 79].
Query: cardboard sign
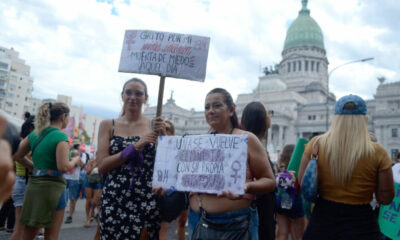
[165, 54]
[389, 216]
[202, 163]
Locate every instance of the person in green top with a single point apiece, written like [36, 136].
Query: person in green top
[44, 203]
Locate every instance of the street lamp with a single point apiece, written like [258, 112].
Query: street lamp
[329, 74]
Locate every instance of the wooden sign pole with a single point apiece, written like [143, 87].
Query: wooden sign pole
[160, 96]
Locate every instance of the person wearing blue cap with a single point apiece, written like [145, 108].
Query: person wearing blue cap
[350, 169]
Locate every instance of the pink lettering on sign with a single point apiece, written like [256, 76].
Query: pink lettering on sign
[130, 39]
[236, 166]
[155, 47]
[177, 49]
[200, 45]
[213, 155]
[204, 181]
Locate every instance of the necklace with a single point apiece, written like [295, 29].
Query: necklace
[216, 131]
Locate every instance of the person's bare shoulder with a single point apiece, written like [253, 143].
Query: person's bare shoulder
[106, 124]
[243, 132]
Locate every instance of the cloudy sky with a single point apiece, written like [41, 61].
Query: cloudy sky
[74, 46]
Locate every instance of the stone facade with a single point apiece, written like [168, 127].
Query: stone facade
[16, 84]
[298, 94]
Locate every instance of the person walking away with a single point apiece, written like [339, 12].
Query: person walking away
[350, 169]
[93, 190]
[255, 119]
[73, 185]
[290, 220]
[44, 201]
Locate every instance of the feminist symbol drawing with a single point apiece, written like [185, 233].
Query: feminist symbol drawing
[236, 166]
[130, 39]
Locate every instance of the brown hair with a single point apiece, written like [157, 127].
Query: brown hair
[138, 80]
[229, 102]
[254, 118]
[172, 126]
[286, 154]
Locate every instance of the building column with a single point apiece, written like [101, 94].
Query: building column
[280, 135]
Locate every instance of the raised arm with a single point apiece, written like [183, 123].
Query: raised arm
[90, 166]
[62, 158]
[260, 167]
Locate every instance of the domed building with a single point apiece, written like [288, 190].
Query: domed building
[297, 89]
[296, 92]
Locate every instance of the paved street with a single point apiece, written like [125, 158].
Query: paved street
[75, 230]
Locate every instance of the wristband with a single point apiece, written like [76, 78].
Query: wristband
[129, 152]
[135, 160]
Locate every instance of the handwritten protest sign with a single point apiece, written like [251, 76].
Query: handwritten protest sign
[165, 54]
[201, 163]
[389, 216]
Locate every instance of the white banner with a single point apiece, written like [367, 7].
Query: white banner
[166, 54]
[201, 163]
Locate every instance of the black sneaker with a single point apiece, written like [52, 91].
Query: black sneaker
[68, 220]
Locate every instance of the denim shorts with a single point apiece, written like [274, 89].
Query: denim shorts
[297, 210]
[194, 217]
[62, 203]
[94, 186]
[73, 187]
[19, 191]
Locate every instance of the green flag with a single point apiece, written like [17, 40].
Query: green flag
[295, 160]
[389, 216]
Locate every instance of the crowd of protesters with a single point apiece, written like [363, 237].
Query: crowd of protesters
[353, 169]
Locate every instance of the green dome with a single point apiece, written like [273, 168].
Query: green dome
[304, 31]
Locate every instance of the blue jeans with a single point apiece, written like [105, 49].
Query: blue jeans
[73, 187]
[194, 217]
[62, 203]
[19, 191]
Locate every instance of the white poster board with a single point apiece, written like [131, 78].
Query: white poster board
[165, 54]
[201, 163]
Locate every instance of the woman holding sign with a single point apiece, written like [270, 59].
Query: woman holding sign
[350, 169]
[126, 155]
[227, 207]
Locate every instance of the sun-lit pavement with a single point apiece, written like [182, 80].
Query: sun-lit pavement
[76, 230]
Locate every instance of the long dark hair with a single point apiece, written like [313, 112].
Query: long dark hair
[286, 154]
[28, 126]
[229, 102]
[254, 118]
